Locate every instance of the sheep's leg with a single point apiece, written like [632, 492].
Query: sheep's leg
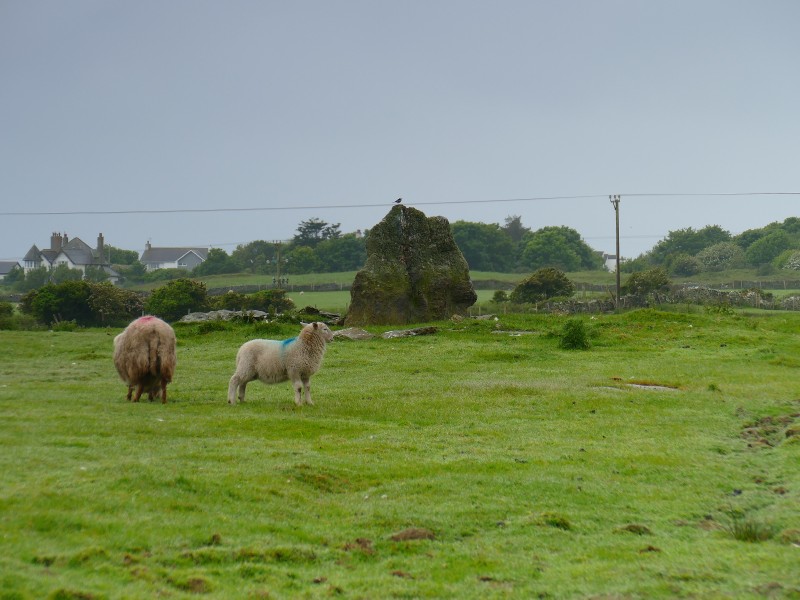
[163, 392]
[130, 393]
[307, 386]
[242, 389]
[139, 390]
[298, 386]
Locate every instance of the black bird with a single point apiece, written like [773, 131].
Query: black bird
[398, 201]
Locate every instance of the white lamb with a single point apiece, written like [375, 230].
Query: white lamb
[273, 361]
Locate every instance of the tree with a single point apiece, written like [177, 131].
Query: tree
[486, 247]
[544, 283]
[65, 301]
[118, 256]
[646, 282]
[34, 279]
[112, 305]
[722, 256]
[177, 298]
[14, 276]
[95, 274]
[559, 247]
[134, 272]
[254, 256]
[217, 262]
[687, 241]
[302, 260]
[767, 248]
[63, 273]
[345, 253]
[684, 265]
[312, 232]
[515, 229]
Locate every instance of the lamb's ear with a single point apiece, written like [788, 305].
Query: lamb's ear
[316, 325]
[303, 323]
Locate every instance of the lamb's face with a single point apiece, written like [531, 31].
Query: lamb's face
[324, 331]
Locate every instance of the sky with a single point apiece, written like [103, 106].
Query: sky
[217, 123]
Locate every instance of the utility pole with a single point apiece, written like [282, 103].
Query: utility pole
[615, 203]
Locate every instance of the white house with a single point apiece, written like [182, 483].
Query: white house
[172, 258]
[75, 253]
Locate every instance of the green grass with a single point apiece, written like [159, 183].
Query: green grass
[538, 472]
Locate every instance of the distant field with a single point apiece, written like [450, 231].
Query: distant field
[480, 462]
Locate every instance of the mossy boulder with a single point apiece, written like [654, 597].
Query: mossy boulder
[414, 272]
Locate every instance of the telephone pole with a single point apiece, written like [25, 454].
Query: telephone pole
[615, 203]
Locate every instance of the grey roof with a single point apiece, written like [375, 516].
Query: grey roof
[79, 252]
[162, 255]
[33, 254]
[6, 266]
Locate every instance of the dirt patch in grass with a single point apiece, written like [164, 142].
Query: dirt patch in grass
[771, 431]
[323, 481]
[363, 545]
[413, 533]
[636, 529]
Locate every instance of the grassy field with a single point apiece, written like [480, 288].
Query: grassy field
[480, 462]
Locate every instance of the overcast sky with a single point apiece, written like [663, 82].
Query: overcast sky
[331, 109]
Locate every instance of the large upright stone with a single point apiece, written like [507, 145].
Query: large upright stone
[414, 272]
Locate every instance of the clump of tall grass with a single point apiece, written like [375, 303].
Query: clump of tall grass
[747, 528]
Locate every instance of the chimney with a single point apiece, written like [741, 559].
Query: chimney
[55, 241]
[66, 239]
[147, 245]
[100, 246]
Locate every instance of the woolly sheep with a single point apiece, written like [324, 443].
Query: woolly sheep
[144, 355]
[273, 361]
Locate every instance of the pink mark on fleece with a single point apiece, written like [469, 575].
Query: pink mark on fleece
[145, 319]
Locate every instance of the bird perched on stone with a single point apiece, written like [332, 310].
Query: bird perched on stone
[398, 201]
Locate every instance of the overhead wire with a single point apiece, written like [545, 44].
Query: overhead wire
[146, 211]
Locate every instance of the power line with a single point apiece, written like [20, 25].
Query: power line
[379, 205]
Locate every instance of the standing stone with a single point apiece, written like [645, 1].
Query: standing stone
[414, 272]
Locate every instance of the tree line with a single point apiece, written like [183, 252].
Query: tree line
[687, 252]
[321, 247]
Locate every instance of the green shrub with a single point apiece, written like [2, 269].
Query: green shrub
[684, 265]
[500, 296]
[574, 335]
[542, 284]
[177, 298]
[646, 282]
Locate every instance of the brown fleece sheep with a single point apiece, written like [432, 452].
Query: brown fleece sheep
[144, 355]
[273, 361]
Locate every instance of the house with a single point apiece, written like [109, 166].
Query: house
[6, 267]
[75, 253]
[610, 261]
[172, 258]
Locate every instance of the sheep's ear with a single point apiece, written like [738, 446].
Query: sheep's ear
[316, 325]
[303, 323]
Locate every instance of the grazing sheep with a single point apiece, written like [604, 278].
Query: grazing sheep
[272, 361]
[144, 355]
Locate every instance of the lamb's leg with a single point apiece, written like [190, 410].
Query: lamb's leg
[307, 386]
[130, 393]
[139, 390]
[298, 386]
[232, 389]
[242, 389]
[163, 392]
